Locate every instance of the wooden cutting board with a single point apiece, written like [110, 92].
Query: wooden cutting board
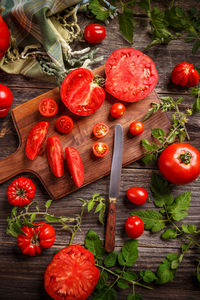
[25, 116]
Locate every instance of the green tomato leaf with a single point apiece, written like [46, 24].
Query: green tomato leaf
[51, 218]
[189, 228]
[126, 24]
[178, 210]
[169, 234]
[157, 133]
[129, 275]
[101, 13]
[195, 47]
[102, 213]
[110, 259]
[152, 219]
[160, 190]
[91, 204]
[48, 203]
[102, 280]
[148, 276]
[99, 207]
[165, 273]
[32, 218]
[122, 284]
[14, 211]
[94, 244]
[130, 252]
[121, 259]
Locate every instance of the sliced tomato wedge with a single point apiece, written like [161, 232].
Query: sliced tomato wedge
[100, 130]
[75, 165]
[100, 149]
[64, 124]
[130, 75]
[35, 139]
[48, 107]
[80, 93]
[55, 156]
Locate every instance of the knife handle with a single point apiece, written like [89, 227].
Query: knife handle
[110, 226]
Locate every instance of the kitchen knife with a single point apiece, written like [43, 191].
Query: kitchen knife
[114, 188]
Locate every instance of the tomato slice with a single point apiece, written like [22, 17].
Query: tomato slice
[35, 139]
[55, 156]
[130, 75]
[71, 274]
[48, 107]
[100, 149]
[75, 165]
[64, 124]
[100, 130]
[80, 93]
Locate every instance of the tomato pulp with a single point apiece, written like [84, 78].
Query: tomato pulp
[48, 107]
[130, 75]
[80, 93]
[75, 165]
[55, 156]
[100, 130]
[100, 149]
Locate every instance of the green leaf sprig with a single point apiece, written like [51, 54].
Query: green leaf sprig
[178, 129]
[26, 216]
[195, 91]
[116, 269]
[171, 210]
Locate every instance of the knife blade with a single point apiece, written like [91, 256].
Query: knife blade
[114, 188]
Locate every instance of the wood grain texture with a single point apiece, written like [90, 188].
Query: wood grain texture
[21, 277]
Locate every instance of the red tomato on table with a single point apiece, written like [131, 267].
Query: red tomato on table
[48, 107]
[36, 239]
[100, 149]
[100, 130]
[71, 274]
[21, 191]
[137, 195]
[75, 165]
[35, 139]
[6, 99]
[184, 74]
[130, 75]
[117, 110]
[64, 124]
[4, 37]
[180, 163]
[134, 227]
[80, 93]
[94, 33]
[55, 156]
[136, 128]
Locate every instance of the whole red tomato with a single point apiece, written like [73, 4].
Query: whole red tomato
[71, 274]
[180, 163]
[6, 99]
[137, 195]
[36, 239]
[184, 74]
[64, 124]
[21, 191]
[134, 227]
[4, 37]
[36, 139]
[94, 33]
[117, 110]
[136, 128]
[80, 92]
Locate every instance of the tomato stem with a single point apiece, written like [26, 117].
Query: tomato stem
[185, 158]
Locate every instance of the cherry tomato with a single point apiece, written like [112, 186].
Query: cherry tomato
[4, 37]
[130, 75]
[80, 93]
[36, 139]
[36, 239]
[137, 195]
[71, 274]
[64, 124]
[136, 128]
[6, 97]
[117, 110]
[180, 163]
[184, 74]
[21, 191]
[55, 156]
[100, 130]
[48, 107]
[100, 149]
[134, 227]
[75, 165]
[94, 33]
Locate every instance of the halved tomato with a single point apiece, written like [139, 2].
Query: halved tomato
[75, 165]
[35, 139]
[130, 75]
[80, 93]
[100, 149]
[100, 130]
[55, 156]
[48, 107]
[71, 274]
[64, 124]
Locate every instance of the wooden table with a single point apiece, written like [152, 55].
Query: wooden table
[21, 277]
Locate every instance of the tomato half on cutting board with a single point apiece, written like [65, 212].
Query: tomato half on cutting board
[55, 156]
[75, 165]
[80, 93]
[35, 139]
[130, 75]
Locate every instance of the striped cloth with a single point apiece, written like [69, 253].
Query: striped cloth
[41, 30]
